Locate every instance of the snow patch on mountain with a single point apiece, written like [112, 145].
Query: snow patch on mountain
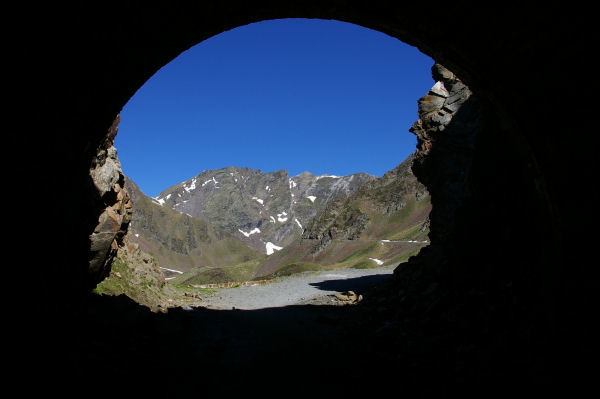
[271, 248]
[191, 187]
[253, 231]
[210, 180]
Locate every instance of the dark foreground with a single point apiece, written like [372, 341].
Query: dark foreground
[114, 347]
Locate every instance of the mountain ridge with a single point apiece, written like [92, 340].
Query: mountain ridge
[263, 209]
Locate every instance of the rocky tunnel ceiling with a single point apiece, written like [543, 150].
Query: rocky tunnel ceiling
[524, 217]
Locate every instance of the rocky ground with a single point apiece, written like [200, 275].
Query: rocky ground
[311, 288]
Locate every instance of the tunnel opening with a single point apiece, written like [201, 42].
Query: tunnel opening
[498, 302]
[267, 96]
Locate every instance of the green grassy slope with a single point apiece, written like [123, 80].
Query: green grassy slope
[180, 241]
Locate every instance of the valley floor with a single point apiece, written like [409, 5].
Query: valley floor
[305, 288]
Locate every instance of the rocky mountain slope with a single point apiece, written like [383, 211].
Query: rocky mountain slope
[265, 210]
[384, 221]
[179, 241]
[349, 217]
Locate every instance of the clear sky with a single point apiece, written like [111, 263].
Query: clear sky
[326, 97]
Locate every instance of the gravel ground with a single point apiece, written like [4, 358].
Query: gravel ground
[303, 288]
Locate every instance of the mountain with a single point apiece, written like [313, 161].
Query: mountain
[266, 210]
[373, 209]
[384, 221]
[180, 241]
[236, 224]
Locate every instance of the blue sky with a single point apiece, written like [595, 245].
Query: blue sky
[302, 95]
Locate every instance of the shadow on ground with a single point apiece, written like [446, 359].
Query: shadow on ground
[114, 346]
[300, 348]
[357, 284]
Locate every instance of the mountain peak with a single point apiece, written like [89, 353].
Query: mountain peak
[304, 174]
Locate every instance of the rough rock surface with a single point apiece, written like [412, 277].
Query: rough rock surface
[445, 146]
[136, 274]
[115, 203]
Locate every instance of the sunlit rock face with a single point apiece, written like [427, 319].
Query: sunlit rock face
[450, 119]
[113, 204]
